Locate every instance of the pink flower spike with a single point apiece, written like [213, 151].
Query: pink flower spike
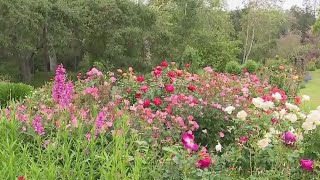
[188, 142]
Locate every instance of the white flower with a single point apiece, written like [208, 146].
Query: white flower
[282, 113]
[277, 96]
[229, 109]
[263, 143]
[273, 131]
[301, 115]
[268, 135]
[308, 126]
[318, 108]
[268, 105]
[292, 107]
[276, 115]
[257, 102]
[305, 98]
[242, 115]
[218, 147]
[314, 116]
[291, 117]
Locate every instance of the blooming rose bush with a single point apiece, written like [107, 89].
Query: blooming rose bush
[169, 123]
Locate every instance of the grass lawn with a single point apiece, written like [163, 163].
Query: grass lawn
[313, 90]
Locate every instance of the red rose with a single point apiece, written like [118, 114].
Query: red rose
[192, 88]
[157, 72]
[146, 103]
[170, 88]
[138, 95]
[164, 64]
[172, 74]
[140, 79]
[157, 101]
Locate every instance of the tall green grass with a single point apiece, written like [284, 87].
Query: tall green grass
[69, 155]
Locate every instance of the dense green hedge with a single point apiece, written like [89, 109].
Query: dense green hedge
[311, 66]
[13, 91]
[251, 66]
[233, 67]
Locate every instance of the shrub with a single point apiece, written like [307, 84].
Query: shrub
[302, 86]
[251, 66]
[311, 66]
[233, 67]
[318, 63]
[13, 91]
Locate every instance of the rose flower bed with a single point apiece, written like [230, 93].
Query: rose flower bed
[169, 124]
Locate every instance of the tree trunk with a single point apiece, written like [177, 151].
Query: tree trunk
[249, 51]
[147, 50]
[52, 60]
[46, 49]
[26, 69]
[246, 44]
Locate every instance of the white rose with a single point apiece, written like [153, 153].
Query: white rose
[242, 115]
[218, 147]
[277, 96]
[305, 98]
[292, 107]
[282, 113]
[257, 102]
[308, 126]
[291, 117]
[263, 143]
[229, 109]
[301, 115]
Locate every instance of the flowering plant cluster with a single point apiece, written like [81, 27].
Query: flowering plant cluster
[170, 123]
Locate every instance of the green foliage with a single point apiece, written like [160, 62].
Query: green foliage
[233, 67]
[251, 66]
[311, 66]
[283, 75]
[303, 86]
[318, 63]
[13, 91]
[191, 55]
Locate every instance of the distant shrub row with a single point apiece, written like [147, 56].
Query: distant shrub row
[13, 91]
[234, 67]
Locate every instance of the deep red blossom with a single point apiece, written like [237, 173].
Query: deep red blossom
[170, 88]
[157, 101]
[157, 72]
[192, 88]
[159, 68]
[138, 95]
[172, 74]
[164, 64]
[187, 65]
[205, 160]
[179, 73]
[140, 79]
[146, 103]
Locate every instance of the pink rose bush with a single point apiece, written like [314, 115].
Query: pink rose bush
[173, 123]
